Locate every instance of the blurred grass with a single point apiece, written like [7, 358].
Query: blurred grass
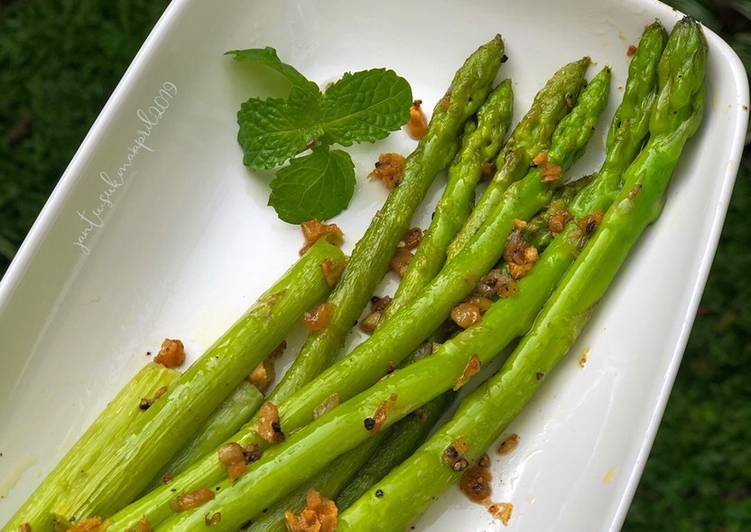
[60, 60]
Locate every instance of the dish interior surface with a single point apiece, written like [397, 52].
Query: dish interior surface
[184, 243]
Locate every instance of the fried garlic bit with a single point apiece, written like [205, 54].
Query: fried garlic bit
[264, 373]
[171, 354]
[332, 270]
[509, 444]
[389, 170]
[269, 426]
[90, 524]
[194, 499]
[558, 220]
[476, 481]
[400, 261]
[453, 455]
[470, 370]
[319, 318]
[520, 257]
[319, 515]
[411, 238]
[466, 314]
[382, 412]
[377, 306]
[235, 458]
[417, 126]
[502, 511]
[312, 230]
[549, 172]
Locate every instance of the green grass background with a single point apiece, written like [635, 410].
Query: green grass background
[60, 60]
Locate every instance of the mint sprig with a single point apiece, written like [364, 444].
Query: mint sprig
[361, 107]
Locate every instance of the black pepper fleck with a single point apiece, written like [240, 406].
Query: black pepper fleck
[379, 493]
[369, 423]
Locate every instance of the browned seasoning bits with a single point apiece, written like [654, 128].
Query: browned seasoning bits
[417, 126]
[264, 373]
[502, 511]
[145, 404]
[476, 481]
[269, 427]
[558, 220]
[312, 230]
[465, 314]
[549, 172]
[589, 224]
[332, 270]
[90, 524]
[381, 414]
[486, 286]
[24, 527]
[411, 238]
[483, 303]
[520, 257]
[319, 318]
[194, 499]
[508, 444]
[631, 50]
[143, 525]
[506, 287]
[488, 169]
[634, 192]
[400, 261]
[171, 354]
[389, 170]
[453, 456]
[377, 306]
[470, 370]
[235, 459]
[212, 519]
[319, 515]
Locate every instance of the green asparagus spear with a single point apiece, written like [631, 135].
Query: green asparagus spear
[370, 258]
[485, 413]
[119, 419]
[401, 441]
[532, 135]
[398, 337]
[309, 449]
[227, 419]
[328, 484]
[354, 472]
[169, 423]
[480, 144]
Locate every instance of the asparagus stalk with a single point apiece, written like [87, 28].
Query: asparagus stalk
[227, 419]
[532, 135]
[370, 258]
[118, 420]
[480, 144]
[354, 472]
[398, 337]
[400, 443]
[313, 446]
[485, 413]
[329, 483]
[169, 423]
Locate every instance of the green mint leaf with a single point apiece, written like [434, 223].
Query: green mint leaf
[365, 106]
[318, 185]
[273, 130]
[268, 57]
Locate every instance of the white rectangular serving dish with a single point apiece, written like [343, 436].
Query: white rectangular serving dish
[184, 242]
